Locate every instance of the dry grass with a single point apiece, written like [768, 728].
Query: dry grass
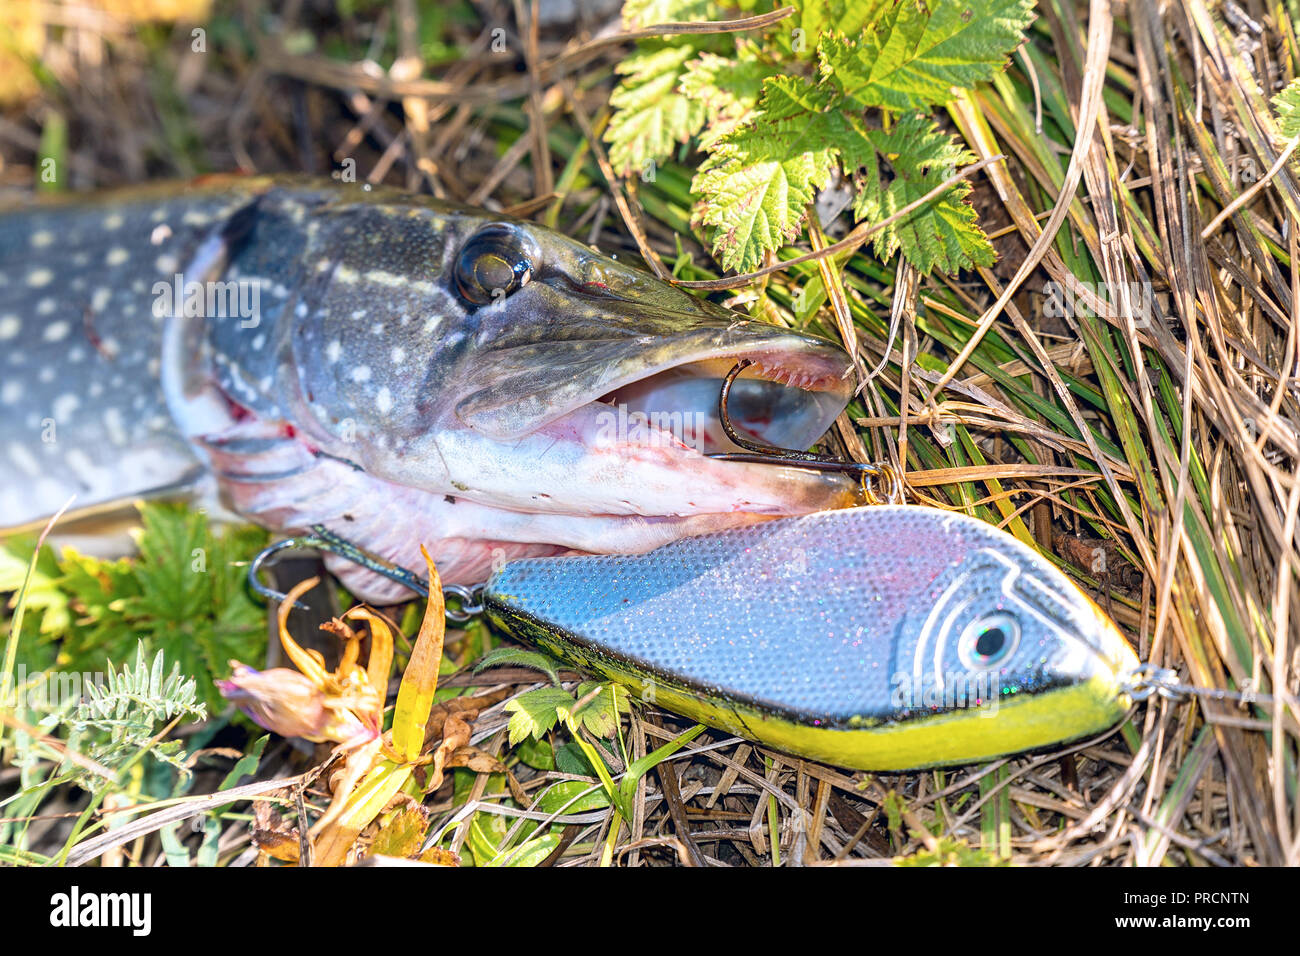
[1164, 439]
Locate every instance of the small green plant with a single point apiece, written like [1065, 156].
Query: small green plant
[183, 596]
[115, 721]
[843, 85]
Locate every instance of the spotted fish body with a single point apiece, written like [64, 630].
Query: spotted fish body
[818, 636]
[81, 406]
[399, 370]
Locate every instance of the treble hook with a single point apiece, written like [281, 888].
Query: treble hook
[322, 539]
[763, 454]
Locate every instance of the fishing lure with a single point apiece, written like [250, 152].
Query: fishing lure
[888, 637]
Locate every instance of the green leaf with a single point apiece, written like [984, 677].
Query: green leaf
[600, 715]
[570, 758]
[757, 185]
[911, 55]
[645, 13]
[183, 595]
[537, 754]
[519, 657]
[944, 233]
[572, 796]
[627, 787]
[529, 853]
[533, 714]
[651, 116]
[1287, 104]
[727, 87]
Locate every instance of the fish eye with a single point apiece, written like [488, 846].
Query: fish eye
[988, 641]
[492, 265]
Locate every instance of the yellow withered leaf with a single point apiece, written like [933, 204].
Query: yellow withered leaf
[415, 696]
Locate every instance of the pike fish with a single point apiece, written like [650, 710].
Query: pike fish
[393, 368]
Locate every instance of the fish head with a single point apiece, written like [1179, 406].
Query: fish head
[461, 352]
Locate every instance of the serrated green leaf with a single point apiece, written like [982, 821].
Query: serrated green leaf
[944, 233]
[651, 115]
[816, 18]
[600, 715]
[533, 714]
[727, 87]
[756, 186]
[911, 55]
[1287, 104]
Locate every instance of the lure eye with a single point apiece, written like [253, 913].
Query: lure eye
[988, 641]
[492, 265]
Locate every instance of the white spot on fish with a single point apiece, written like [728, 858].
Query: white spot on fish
[361, 374]
[394, 280]
[24, 459]
[334, 351]
[323, 265]
[359, 314]
[95, 390]
[116, 256]
[195, 218]
[113, 425]
[153, 367]
[42, 238]
[81, 466]
[10, 392]
[259, 340]
[384, 401]
[398, 355]
[39, 277]
[160, 234]
[9, 327]
[64, 406]
[166, 263]
[76, 354]
[46, 375]
[46, 306]
[300, 310]
[56, 331]
[113, 221]
[100, 299]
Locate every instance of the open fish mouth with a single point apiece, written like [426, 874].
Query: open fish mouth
[775, 401]
[792, 390]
